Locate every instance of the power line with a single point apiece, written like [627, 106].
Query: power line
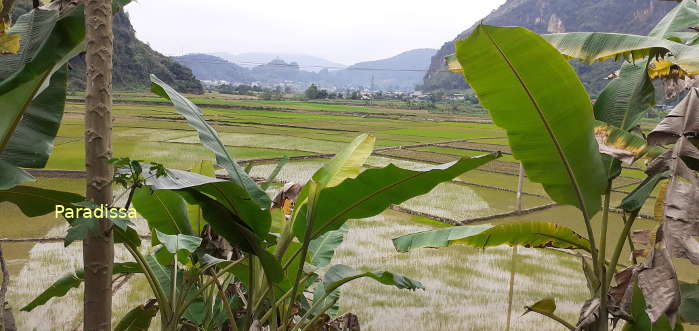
[291, 65]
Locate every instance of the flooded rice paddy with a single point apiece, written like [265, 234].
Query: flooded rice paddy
[466, 288]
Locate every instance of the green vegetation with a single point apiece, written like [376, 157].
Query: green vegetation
[576, 154]
[270, 243]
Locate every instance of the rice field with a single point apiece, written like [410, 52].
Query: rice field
[466, 289]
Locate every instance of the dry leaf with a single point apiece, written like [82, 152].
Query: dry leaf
[658, 281]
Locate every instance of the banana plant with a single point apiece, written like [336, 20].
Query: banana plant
[277, 256]
[572, 148]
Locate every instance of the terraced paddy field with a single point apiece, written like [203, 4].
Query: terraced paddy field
[466, 289]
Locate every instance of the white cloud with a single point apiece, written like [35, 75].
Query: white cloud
[345, 32]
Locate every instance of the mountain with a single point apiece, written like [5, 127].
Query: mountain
[306, 62]
[133, 61]
[552, 16]
[209, 67]
[402, 71]
[279, 71]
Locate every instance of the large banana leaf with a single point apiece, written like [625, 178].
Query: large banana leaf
[17, 92]
[233, 197]
[138, 319]
[210, 139]
[527, 234]
[637, 198]
[374, 190]
[322, 250]
[227, 193]
[329, 289]
[32, 142]
[340, 274]
[165, 211]
[11, 176]
[599, 46]
[73, 280]
[235, 231]
[33, 201]
[49, 40]
[679, 19]
[626, 98]
[534, 94]
[346, 164]
[205, 168]
[622, 104]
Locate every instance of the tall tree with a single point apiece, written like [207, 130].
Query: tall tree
[98, 247]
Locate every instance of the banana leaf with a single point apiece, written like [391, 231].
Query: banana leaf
[527, 234]
[623, 145]
[322, 250]
[593, 47]
[33, 201]
[73, 280]
[532, 92]
[165, 211]
[341, 274]
[138, 319]
[50, 38]
[11, 176]
[637, 198]
[235, 231]
[210, 139]
[374, 190]
[344, 165]
[625, 100]
[32, 142]
[684, 16]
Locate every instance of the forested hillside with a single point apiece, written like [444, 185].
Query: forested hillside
[551, 16]
[134, 60]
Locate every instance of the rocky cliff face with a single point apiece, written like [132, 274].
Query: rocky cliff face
[134, 61]
[554, 16]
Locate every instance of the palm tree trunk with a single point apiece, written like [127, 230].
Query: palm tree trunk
[98, 247]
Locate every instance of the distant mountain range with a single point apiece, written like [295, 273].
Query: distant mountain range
[253, 59]
[400, 72]
[209, 67]
[553, 16]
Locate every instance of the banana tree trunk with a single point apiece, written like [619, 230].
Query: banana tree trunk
[98, 247]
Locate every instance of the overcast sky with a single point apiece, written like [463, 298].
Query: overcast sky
[342, 31]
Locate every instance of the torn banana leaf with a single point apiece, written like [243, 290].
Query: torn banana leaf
[623, 145]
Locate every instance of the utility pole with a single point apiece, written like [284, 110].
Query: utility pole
[98, 246]
[520, 184]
